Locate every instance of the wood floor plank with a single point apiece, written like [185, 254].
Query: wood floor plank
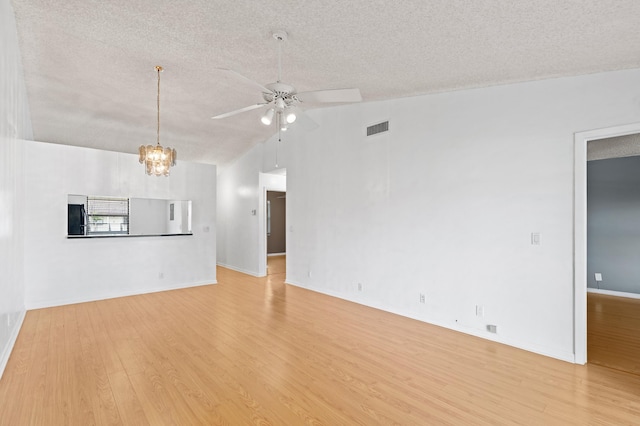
[257, 351]
[613, 336]
[37, 373]
[95, 380]
[14, 380]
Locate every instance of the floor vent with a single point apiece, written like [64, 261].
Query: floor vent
[378, 128]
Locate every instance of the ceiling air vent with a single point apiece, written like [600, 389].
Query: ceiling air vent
[378, 128]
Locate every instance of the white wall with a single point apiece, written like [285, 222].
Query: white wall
[445, 204]
[238, 204]
[15, 125]
[181, 216]
[59, 270]
[148, 216]
[242, 243]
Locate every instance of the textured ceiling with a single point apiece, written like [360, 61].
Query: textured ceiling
[620, 146]
[89, 64]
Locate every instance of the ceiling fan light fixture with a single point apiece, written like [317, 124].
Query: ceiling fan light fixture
[290, 115]
[267, 118]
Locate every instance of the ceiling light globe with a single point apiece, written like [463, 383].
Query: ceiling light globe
[291, 117]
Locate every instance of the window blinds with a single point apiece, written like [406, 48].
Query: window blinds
[108, 206]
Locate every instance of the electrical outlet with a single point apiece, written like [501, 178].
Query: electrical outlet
[492, 328]
[598, 276]
[359, 286]
[422, 298]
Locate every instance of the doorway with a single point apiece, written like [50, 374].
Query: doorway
[613, 253]
[581, 276]
[273, 181]
[276, 232]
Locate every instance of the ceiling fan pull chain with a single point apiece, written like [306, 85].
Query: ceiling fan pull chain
[278, 143]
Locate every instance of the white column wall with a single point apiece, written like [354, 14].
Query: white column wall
[59, 270]
[15, 125]
[242, 186]
[238, 205]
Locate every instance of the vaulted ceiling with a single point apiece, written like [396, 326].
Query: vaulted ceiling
[89, 64]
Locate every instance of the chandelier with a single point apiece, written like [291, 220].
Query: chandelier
[157, 159]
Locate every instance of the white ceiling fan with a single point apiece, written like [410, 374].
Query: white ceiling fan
[281, 100]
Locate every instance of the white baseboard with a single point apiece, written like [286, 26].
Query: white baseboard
[614, 293]
[276, 254]
[83, 299]
[6, 353]
[563, 356]
[244, 271]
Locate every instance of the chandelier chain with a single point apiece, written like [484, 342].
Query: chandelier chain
[159, 69]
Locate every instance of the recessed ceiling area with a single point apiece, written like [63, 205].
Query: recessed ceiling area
[89, 65]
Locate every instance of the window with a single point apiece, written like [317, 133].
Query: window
[107, 216]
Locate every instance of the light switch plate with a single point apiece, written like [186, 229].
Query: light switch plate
[535, 238]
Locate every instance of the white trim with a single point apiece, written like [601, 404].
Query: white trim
[71, 301]
[244, 271]
[276, 254]
[563, 356]
[580, 231]
[4, 359]
[614, 293]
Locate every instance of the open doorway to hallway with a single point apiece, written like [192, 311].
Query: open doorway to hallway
[276, 232]
[613, 252]
[272, 182]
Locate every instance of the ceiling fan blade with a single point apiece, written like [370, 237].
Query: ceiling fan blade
[241, 77]
[335, 95]
[238, 111]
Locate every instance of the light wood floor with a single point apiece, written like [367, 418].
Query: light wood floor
[277, 265]
[252, 351]
[613, 337]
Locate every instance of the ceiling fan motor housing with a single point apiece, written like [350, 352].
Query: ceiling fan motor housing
[282, 91]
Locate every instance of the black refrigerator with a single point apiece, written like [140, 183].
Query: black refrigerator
[75, 219]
